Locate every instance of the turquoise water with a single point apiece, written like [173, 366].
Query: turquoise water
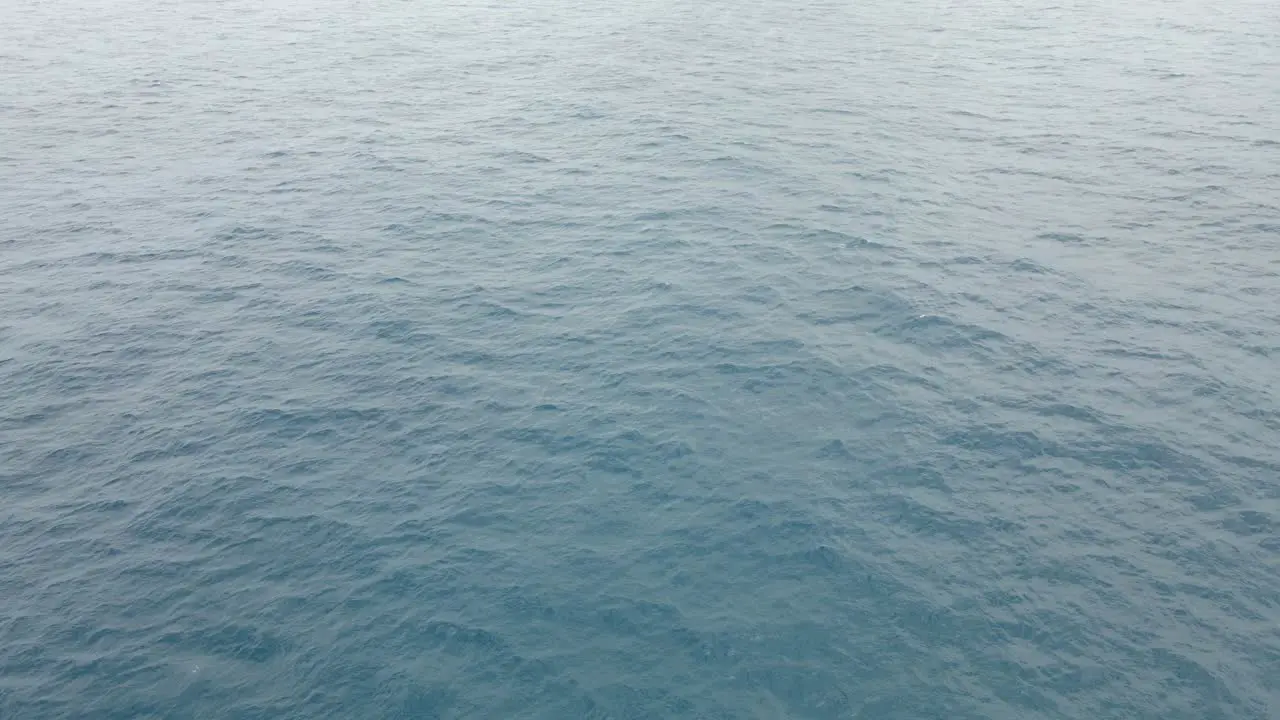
[649, 359]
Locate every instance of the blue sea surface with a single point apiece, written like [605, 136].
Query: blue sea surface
[558, 359]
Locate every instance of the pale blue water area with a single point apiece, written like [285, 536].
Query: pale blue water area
[648, 359]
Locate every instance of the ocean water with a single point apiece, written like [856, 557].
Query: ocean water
[650, 359]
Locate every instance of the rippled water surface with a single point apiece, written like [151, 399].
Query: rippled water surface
[647, 359]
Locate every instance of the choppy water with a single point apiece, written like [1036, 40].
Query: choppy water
[653, 359]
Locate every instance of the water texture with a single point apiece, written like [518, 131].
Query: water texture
[648, 359]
